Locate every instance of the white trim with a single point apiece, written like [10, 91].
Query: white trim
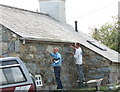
[17, 89]
[9, 65]
[38, 80]
[26, 88]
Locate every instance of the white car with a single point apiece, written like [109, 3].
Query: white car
[14, 76]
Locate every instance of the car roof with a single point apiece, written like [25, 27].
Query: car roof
[8, 58]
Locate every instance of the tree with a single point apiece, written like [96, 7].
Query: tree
[108, 35]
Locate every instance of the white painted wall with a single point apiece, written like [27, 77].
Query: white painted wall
[54, 8]
[119, 13]
[119, 9]
[0, 40]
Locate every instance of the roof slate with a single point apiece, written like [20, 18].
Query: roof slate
[36, 26]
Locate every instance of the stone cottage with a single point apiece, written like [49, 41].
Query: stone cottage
[29, 35]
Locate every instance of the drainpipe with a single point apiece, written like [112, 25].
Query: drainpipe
[24, 41]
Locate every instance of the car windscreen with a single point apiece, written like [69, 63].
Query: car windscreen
[11, 75]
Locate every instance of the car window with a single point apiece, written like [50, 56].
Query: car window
[17, 72]
[3, 79]
[12, 75]
[11, 62]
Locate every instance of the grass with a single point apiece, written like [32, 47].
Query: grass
[102, 88]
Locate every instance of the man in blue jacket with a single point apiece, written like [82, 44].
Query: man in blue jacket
[57, 66]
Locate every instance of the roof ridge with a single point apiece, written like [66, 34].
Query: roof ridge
[12, 7]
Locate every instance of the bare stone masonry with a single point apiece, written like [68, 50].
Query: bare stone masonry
[38, 62]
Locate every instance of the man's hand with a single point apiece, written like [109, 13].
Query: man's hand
[71, 53]
[48, 52]
[72, 47]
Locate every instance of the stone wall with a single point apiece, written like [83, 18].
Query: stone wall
[96, 66]
[38, 62]
[115, 74]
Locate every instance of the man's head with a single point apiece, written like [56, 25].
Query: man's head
[55, 50]
[77, 45]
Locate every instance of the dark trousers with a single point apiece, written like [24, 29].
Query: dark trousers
[80, 73]
[57, 76]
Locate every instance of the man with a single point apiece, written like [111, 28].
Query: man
[78, 61]
[57, 66]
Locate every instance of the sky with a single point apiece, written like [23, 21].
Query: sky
[88, 13]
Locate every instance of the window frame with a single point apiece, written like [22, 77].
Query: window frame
[38, 80]
[96, 45]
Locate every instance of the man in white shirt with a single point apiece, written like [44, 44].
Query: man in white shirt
[78, 61]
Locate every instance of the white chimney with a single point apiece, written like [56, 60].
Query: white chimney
[119, 9]
[119, 14]
[54, 8]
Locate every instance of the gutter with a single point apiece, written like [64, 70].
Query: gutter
[118, 63]
[32, 40]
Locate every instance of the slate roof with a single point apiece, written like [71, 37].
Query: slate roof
[36, 26]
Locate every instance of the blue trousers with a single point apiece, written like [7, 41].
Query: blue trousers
[57, 76]
[80, 73]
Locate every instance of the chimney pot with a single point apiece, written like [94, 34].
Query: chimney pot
[76, 29]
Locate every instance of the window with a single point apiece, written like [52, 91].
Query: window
[97, 45]
[3, 63]
[17, 74]
[38, 80]
[3, 79]
[11, 75]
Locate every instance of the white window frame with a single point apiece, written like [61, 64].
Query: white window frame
[38, 80]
